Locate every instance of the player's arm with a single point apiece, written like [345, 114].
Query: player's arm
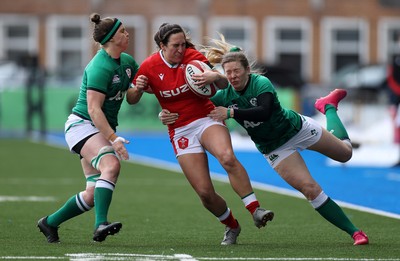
[136, 90]
[260, 113]
[220, 79]
[95, 100]
[167, 117]
[211, 76]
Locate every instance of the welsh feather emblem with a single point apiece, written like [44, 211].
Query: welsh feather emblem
[183, 143]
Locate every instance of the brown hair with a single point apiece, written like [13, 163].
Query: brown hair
[101, 26]
[166, 30]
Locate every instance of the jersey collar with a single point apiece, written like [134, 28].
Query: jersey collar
[167, 63]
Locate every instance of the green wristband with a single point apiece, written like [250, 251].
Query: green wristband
[228, 113]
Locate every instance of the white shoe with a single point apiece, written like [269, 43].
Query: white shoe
[262, 216]
[230, 235]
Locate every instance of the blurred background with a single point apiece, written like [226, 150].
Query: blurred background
[306, 48]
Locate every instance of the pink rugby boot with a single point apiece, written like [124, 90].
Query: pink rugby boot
[360, 238]
[332, 98]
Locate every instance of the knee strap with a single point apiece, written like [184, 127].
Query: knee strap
[106, 150]
[91, 179]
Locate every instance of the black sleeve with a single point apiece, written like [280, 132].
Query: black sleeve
[260, 113]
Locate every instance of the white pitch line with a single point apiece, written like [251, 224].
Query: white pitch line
[180, 257]
[185, 257]
[299, 259]
[121, 256]
[32, 257]
[155, 163]
[25, 198]
[162, 164]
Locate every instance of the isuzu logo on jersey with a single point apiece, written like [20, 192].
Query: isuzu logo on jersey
[174, 92]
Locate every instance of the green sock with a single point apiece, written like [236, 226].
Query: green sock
[334, 214]
[334, 124]
[102, 199]
[68, 211]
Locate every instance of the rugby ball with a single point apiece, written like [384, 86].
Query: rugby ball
[198, 67]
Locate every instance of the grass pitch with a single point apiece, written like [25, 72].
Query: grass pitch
[162, 217]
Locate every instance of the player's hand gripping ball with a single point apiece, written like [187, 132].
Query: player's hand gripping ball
[198, 67]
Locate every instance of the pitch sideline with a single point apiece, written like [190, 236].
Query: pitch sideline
[178, 257]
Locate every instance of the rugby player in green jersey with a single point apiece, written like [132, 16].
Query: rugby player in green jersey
[279, 133]
[90, 130]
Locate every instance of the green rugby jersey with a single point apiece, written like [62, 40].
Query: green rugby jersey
[105, 75]
[269, 135]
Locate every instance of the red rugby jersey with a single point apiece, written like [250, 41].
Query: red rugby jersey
[169, 86]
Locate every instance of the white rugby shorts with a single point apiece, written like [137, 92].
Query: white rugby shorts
[186, 139]
[310, 133]
[76, 129]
